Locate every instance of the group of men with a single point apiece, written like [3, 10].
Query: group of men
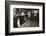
[22, 17]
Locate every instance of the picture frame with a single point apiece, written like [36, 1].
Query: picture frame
[11, 6]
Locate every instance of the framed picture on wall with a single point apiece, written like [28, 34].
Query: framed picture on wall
[24, 17]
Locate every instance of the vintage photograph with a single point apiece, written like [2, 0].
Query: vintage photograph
[25, 17]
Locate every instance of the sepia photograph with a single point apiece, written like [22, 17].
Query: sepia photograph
[24, 17]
